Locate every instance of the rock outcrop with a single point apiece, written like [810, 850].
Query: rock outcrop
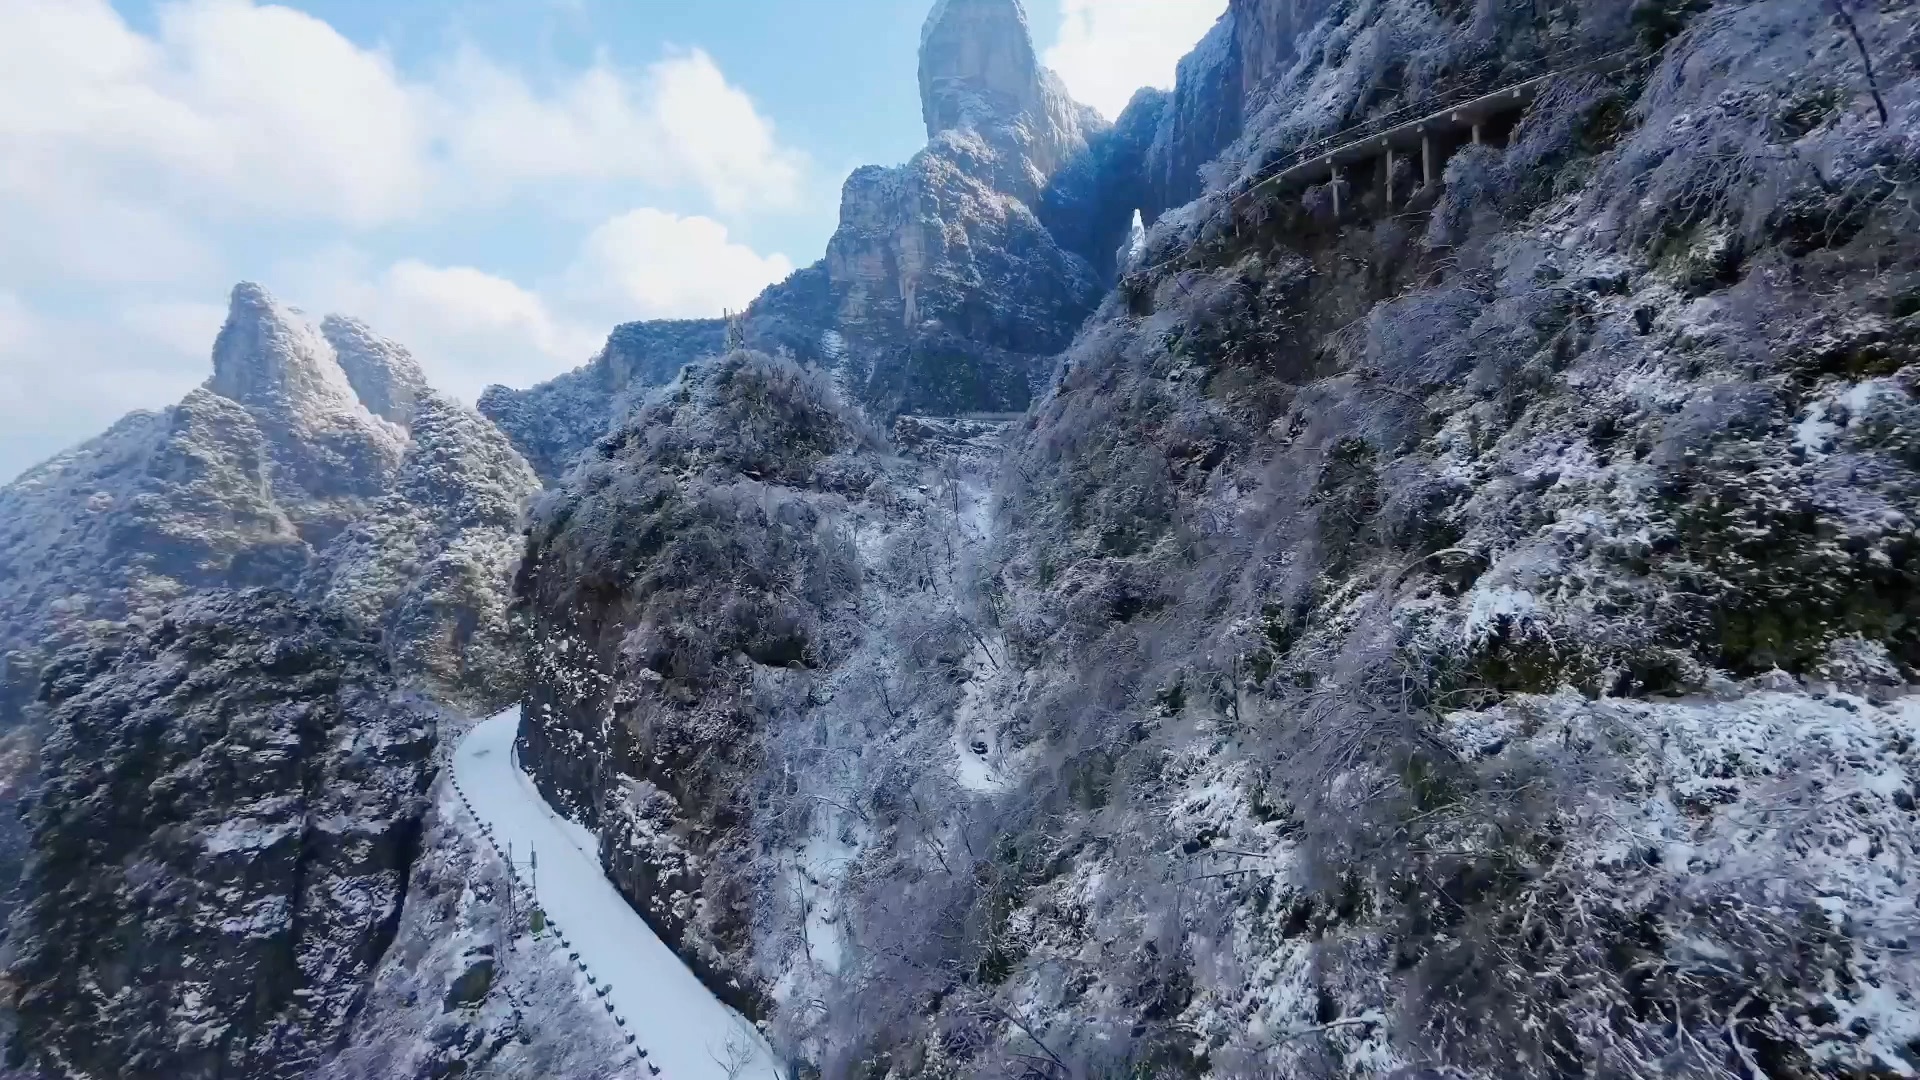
[553, 422]
[944, 289]
[653, 632]
[1202, 116]
[732, 609]
[314, 460]
[1471, 634]
[1091, 205]
[232, 804]
[979, 73]
[383, 374]
[249, 480]
[328, 455]
[427, 563]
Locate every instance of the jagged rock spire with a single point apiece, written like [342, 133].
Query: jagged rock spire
[268, 357]
[977, 62]
[382, 372]
[979, 72]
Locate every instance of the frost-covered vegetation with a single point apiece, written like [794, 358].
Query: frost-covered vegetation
[552, 422]
[1472, 638]
[427, 563]
[1470, 634]
[315, 460]
[401, 509]
[219, 857]
[1570, 437]
[467, 989]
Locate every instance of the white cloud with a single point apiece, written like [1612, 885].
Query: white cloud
[261, 109]
[467, 327]
[722, 140]
[471, 328]
[70, 234]
[17, 324]
[183, 327]
[65, 378]
[105, 364]
[655, 265]
[1108, 49]
[679, 124]
[142, 169]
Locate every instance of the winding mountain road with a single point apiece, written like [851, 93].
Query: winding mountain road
[686, 1033]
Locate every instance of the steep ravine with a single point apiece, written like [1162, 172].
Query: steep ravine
[744, 547]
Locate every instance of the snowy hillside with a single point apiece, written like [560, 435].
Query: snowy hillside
[676, 1023]
[1439, 598]
[1462, 622]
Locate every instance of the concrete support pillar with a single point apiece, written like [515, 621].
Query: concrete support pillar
[1479, 133]
[1389, 177]
[1334, 183]
[1426, 160]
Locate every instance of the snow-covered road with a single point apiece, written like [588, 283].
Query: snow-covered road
[687, 1032]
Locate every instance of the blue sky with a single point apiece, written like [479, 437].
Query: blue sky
[835, 77]
[494, 183]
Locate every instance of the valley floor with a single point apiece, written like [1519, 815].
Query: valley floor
[686, 1032]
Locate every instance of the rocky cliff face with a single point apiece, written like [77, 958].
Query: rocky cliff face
[944, 292]
[952, 281]
[670, 586]
[979, 73]
[249, 481]
[326, 454]
[427, 562]
[1470, 635]
[383, 374]
[233, 800]
[732, 613]
[553, 422]
[315, 460]
[1462, 638]
[1225, 81]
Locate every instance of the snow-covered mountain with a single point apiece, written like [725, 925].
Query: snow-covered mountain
[306, 448]
[1458, 628]
[947, 287]
[315, 461]
[1445, 618]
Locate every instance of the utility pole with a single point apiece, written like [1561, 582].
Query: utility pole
[537, 916]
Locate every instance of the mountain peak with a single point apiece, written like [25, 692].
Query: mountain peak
[976, 57]
[979, 74]
[383, 374]
[268, 357]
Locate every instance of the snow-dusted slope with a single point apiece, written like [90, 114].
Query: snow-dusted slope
[315, 460]
[687, 1032]
[274, 473]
